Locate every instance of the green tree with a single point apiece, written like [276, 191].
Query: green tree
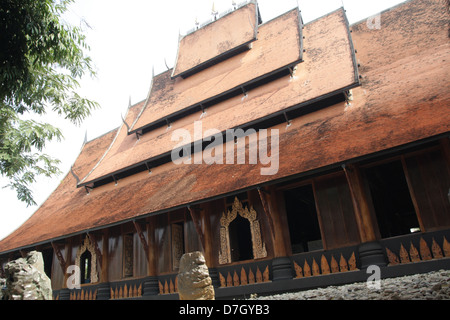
[41, 59]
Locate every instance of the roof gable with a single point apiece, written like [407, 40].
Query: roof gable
[225, 37]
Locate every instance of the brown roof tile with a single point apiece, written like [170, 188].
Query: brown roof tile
[56, 215]
[329, 67]
[217, 39]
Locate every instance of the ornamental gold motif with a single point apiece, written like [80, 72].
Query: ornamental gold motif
[89, 246]
[259, 249]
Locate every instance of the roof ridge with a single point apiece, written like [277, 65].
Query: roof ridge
[118, 129]
[220, 15]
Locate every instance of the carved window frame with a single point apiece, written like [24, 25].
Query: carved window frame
[177, 243]
[88, 246]
[258, 246]
[128, 255]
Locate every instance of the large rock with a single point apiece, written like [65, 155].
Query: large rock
[26, 279]
[2, 287]
[194, 282]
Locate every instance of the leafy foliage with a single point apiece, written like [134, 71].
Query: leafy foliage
[41, 58]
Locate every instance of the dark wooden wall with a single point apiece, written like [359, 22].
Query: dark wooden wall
[335, 210]
[115, 247]
[163, 238]
[427, 172]
[430, 183]
[57, 272]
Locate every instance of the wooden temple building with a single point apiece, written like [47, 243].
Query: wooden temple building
[359, 116]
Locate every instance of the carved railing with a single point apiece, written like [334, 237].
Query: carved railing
[83, 294]
[125, 291]
[327, 266]
[325, 262]
[244, 277]
[243, 274]
[88, 293]
[409, 251]
[168, 284]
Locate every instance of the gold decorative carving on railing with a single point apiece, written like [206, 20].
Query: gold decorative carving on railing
[259, 248]
[414, 254]
[242, 278]
[126, 291]
[168, 287]
[423, 254]
[334, 265]
[83, 295]
[437, 252]
[343, 266]
[315, 268]
[404, 257]
[325, 266]
[446, 247]
[392, 257]
[89, 246]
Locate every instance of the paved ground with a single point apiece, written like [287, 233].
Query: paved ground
[427, 286]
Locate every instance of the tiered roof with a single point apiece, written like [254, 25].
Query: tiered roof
[403, 96]
[219, 89]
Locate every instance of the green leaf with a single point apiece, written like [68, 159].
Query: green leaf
[41, 61]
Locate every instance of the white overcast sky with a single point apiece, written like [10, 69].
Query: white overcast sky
[128, 39]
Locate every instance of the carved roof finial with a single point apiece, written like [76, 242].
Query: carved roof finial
[125, 123]
[214, 12]
[196, 23]
[85, 138]
[74, 175]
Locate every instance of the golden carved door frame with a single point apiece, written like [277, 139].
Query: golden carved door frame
[259, 248]
[89, 246]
